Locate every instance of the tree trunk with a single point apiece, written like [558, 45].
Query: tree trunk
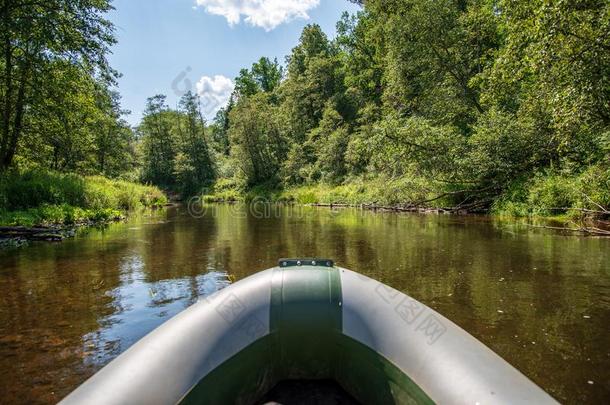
[15, 134]
[7, 106]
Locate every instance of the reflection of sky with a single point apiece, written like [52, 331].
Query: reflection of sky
[140, 306]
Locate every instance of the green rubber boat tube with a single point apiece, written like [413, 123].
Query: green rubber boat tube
[307, 319]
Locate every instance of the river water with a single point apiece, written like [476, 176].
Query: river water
[539, 299]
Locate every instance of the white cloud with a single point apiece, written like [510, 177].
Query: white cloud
[266, 14]
[214, 92]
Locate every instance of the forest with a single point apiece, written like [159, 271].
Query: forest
[498, 106]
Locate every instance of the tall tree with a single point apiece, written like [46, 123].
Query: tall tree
[554, 69]
[34, 35]
[257, 144]
[314, 78]
[194, 166]
[268, 74]
[434, 51]
[157, 131]
[264, 75]
[113, 137]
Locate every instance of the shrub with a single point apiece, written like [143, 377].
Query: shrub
[554, 194]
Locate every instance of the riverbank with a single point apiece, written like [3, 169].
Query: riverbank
[380, 192]
[549, 195]
[44, 205]
[578, 203]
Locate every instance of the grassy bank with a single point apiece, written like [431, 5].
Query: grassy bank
[358, 191]
[33, 198]
[556, 195]
[545, 195]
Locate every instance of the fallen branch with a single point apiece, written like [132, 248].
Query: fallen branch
[604, 210]
[588, 230]
[588, 211]
[38, 233]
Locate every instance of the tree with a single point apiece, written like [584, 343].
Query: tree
[314, 77]
[220, 129]
[114, 139]
[313, 43]
[34, 37]
[553, 69]
[245, 84]
[331, 138]
[194, 167]
[76, 124]
[435, 49]
[157, 132]
[263, 76]
[257, 145]
[362, 44]
[267, 74]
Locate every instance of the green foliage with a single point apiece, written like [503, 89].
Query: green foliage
[434, 51]
[194, 168]
[175, 147]
[257, 144]
[400, 145]
[159, 142]
[220, 129]
[314, 80]
[555, 54]
[267, 74]
[58, 215]
[381, 191]
[77, 126]
[264, 76]
[470, 103]
[224, 190]
[53, 67]
[504, 147]
[329, 141]
[555, 194]
[34, 188]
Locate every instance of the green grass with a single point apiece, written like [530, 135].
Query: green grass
[386, 192]
[225, 190]
[36, 197]
[556, 195]
[58, 215]
[378, 191]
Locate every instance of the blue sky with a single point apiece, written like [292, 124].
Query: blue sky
[168, 46]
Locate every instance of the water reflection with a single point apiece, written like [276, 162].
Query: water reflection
[139, 306]
[539, 299]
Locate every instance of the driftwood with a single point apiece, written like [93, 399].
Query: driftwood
[589, 230]
[51, 233]
[478, 206]
[464, 208]
[37, 233]
[375, 207]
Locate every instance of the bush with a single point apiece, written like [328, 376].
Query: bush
[556, 194]
[226, 190]
[503, 147]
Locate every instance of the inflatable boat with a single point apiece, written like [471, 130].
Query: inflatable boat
[307, 319]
